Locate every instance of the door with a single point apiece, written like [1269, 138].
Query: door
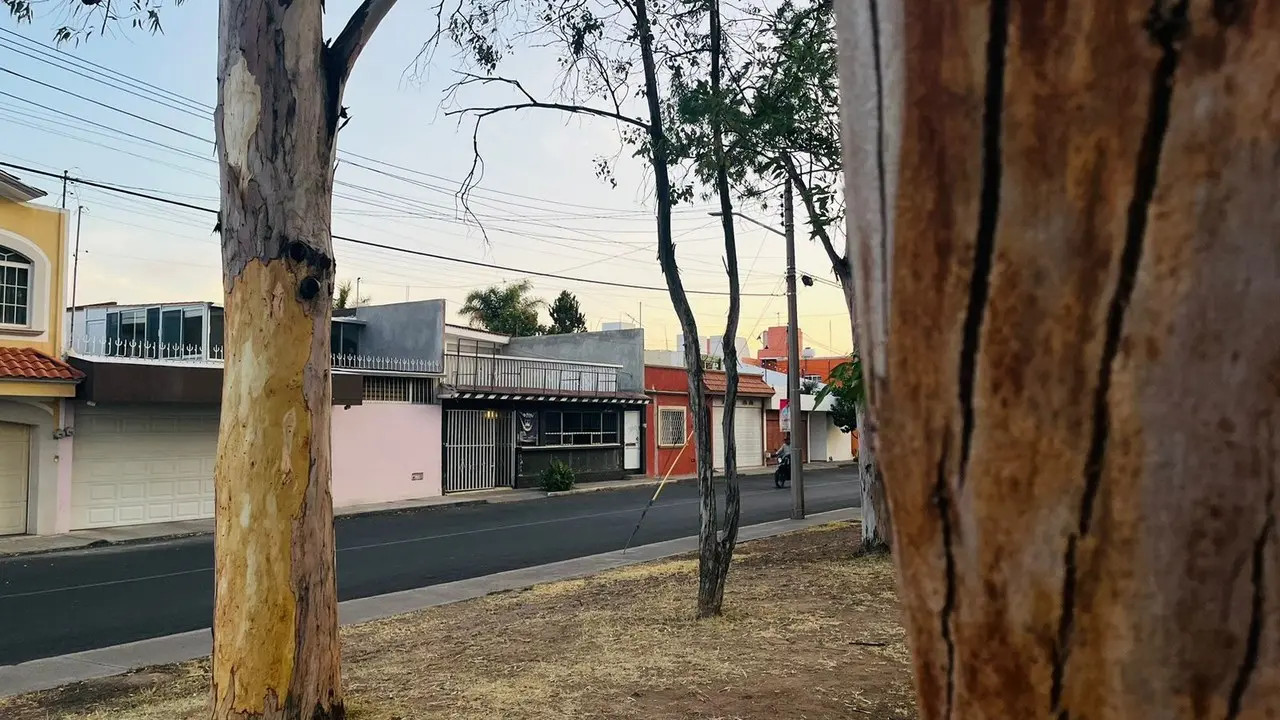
[479, 449]
[138, 464]
[631, 440]
[15, 447]
[748, 435]
[817, 428]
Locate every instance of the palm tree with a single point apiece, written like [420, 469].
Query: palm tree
[505, 309]
[343, 297]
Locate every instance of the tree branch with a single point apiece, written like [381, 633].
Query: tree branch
[531, 102]
[839, 263]
[344, 51]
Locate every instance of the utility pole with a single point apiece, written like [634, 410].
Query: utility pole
[357, 297]
[75, 273]
[793, 356]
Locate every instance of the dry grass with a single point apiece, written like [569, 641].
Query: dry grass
[809, 632]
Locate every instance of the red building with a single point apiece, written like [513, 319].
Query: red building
[671, 444]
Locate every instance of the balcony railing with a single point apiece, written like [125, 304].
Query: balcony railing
[166, 353]
[503, 372]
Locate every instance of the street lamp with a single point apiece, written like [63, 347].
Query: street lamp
[793, 343]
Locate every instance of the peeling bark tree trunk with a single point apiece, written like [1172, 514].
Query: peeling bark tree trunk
[876, 524]
[1073, 345]
[275, 626]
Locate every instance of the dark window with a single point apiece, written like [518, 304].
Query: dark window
[171, 333]
[15, 288]
[193, 333]
[344, 339]
[113, 332]
[215, 332]
[580, 427]
[151, 347]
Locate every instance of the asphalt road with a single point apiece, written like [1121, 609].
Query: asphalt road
[59, 603]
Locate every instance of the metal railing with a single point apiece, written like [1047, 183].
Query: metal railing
[165, 353]
[503, 372]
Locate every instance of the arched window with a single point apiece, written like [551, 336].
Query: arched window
[15, 288]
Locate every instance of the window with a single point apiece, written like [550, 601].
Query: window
[580, 427]
[127, 334]
[386, 388]
[15, 288]
[671, 430]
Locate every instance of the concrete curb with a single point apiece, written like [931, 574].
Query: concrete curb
[48, 673]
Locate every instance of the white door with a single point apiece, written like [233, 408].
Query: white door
[747, 434]
[817, 429]
[143, 464]
[15, 447]
[631, 440]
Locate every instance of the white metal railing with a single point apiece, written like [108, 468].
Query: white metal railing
[165, 353]
[140, 350]
[502, 372]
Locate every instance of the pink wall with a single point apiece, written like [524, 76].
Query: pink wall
[378, 446]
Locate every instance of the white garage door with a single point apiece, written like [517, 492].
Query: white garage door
[748, 441]
[15, 445]
[142, 464]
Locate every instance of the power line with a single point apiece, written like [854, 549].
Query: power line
[372, 244]
[196, 108]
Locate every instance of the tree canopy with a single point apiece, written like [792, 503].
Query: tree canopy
[566, 316]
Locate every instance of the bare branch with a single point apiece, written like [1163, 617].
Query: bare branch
[344, 51]
[839, 263]
[532, 102]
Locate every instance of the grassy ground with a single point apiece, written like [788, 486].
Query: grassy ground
[809, 632]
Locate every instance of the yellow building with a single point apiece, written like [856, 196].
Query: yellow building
[35, 384]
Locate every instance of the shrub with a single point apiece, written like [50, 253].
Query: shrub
[558, 477]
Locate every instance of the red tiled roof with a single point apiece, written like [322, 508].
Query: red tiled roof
[30, 364]
[747, 384]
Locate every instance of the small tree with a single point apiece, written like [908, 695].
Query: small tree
[505, 309]
[845, 384]
[566, 316]
[344, 296]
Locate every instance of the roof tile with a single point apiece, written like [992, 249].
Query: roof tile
[31, 364]
[747, 384]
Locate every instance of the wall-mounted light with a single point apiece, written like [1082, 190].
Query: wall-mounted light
[490, 415]
[63, 432]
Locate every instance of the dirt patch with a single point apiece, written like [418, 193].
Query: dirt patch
[809, 631]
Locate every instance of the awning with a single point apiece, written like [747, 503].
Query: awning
[618, 398]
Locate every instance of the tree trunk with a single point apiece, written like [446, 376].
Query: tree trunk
[876, 525]
[699, 409]
[1074, 348]
[712, 602]
[275, 625]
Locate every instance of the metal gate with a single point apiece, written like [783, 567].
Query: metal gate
[479, 450]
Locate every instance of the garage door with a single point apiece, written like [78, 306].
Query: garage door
[15, 444]
[142, 464]
[747, 429]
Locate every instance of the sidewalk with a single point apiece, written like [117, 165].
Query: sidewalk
[105, 662]
[102, 537]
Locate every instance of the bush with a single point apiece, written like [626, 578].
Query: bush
[559, 477]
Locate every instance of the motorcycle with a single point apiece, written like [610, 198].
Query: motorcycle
[782, 473]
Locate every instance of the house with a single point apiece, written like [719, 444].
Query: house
[817, 437]
[35, 385]
[515, 405]
[672, 447]
[147, 412]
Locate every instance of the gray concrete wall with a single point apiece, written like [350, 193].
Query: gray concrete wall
[406, 330]
[616, 347]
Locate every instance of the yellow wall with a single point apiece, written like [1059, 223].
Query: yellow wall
[46, 228]
[36, 388]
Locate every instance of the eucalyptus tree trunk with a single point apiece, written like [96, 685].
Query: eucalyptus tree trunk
[275, 625]
[1069, 319]
[876, 523]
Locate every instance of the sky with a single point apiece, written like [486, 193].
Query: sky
[142, 120]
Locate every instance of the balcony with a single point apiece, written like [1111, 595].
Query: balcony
[503, 372]
[195, 356]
